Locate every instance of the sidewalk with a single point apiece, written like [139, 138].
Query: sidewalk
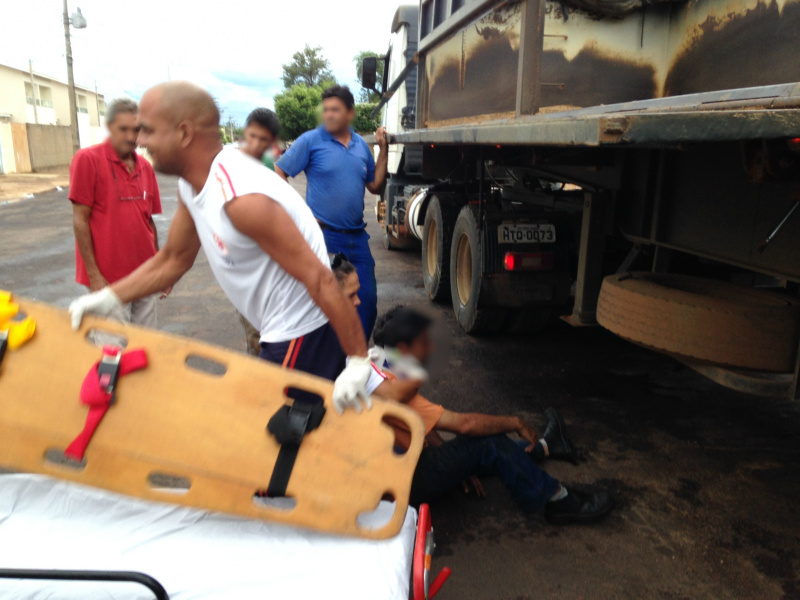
[18, 186]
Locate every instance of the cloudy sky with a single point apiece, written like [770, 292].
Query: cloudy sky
[233, 48]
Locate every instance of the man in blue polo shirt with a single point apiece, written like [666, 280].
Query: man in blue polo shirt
[338, 165]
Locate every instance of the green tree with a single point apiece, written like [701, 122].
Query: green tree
[364, 122]
[308, 67]
[365, 95]
[297, 109]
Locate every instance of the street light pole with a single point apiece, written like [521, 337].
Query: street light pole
[73, 109]
[33, 92]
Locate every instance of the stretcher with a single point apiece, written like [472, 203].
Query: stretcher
[166, 419]
[64, 540]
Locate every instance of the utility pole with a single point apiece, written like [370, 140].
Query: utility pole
[33, 92]
[97, 102]
[73, 109]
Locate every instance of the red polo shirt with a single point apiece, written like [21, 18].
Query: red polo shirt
[122, 204]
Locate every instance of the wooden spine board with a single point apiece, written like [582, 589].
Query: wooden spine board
[174, 420]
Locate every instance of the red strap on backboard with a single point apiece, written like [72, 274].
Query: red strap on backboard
[94, 395]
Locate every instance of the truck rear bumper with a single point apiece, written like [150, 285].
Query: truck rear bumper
[515, 290]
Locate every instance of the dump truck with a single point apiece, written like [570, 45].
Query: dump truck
[632, 163]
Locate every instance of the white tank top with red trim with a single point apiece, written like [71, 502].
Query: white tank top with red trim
[275, 303]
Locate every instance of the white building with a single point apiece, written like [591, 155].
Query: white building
[34, 98]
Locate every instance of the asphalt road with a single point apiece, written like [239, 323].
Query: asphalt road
[707, 480]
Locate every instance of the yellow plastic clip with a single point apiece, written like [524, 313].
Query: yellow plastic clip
[7, 308]
[7, 311]
[19, 332]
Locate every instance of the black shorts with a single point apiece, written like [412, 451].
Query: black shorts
[318, 353]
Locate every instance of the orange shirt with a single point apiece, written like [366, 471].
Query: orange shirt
[430, 413]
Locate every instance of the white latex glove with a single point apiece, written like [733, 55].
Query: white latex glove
[350, 387]
[101, 303]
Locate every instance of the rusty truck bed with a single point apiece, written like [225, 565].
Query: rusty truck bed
[729, 115]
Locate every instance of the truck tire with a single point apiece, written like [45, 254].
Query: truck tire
[437, 232]
[465, 278]
[388, 241]
[701, 319]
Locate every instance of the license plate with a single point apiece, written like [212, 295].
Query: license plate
[526, 234]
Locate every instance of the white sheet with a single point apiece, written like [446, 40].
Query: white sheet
[52, 524]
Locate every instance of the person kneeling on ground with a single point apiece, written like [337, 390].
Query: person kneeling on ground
[481, 446]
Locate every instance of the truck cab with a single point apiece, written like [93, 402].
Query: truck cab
[404, 167]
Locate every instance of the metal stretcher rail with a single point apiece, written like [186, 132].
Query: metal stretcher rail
[72, 575]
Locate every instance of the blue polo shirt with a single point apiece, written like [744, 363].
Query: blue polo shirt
[336, 175]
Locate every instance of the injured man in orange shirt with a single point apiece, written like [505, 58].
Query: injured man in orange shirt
[403, 345]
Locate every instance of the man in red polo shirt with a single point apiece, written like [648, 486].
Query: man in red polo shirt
[114, 196]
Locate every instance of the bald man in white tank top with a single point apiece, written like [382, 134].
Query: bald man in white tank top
[262, 242]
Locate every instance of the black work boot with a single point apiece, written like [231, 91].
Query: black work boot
[559, 446]
[579, 508]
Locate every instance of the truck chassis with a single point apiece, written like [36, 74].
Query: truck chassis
[675, 169]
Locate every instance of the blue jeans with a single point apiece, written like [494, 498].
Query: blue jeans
[442, 468]
[355, 246]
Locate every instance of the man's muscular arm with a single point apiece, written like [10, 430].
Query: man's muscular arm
[270, 226]
[175, 257]
[159, 273]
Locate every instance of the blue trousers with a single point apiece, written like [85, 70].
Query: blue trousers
[355, 246]
[442, 468]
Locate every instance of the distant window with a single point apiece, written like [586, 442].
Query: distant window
[426, 21]
[440, 12]
[45, 96]
[456, 5]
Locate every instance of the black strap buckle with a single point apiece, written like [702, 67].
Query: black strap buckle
[3, 344]
[289, 425]
[297, 421]
[108, 370]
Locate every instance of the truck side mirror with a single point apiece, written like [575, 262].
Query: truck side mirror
[369, 73]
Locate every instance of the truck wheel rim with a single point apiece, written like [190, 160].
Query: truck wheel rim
[464, 270]
[432, 249]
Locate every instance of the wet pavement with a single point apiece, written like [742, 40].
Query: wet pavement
[707, 480]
